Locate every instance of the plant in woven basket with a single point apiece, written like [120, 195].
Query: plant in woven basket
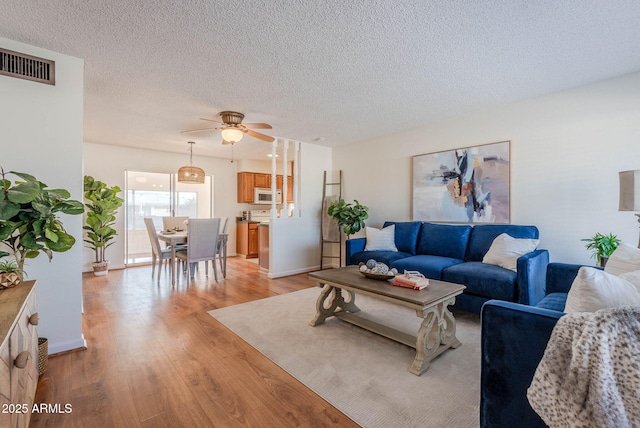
[10, 273]
[29, 223]
[102, 206]
[350, 217]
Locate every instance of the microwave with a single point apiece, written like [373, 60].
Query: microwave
[265, 196]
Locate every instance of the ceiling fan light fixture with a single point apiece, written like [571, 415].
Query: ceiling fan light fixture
[191, 174]
[232, 134]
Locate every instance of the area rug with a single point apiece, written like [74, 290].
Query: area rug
[365, 375]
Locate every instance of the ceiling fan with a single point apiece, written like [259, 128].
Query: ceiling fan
[233, 129]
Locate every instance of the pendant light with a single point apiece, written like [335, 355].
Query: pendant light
[191, 174]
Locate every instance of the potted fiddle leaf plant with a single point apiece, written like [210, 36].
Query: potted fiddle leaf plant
[102, 205]
[350, 217]
[602, 246]
[29, 222]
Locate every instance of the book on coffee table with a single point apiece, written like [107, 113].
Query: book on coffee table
[412, 281]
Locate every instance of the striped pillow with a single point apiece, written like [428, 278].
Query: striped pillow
[625, 258]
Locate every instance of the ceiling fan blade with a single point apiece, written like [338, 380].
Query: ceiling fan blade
[258, 135]
[198, 130]
[258, 125]
[211, 120]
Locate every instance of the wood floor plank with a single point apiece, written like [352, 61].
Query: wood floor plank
[155, 358]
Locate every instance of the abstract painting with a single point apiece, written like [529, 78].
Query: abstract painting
[468, 185]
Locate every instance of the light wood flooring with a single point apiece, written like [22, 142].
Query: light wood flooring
[155, 358]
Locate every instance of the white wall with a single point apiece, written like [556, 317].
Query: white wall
[295, 242]
[42, 136]
[566, 152]
[108, 164]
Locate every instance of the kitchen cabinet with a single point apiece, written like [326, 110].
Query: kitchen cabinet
[247, 239]
[246, 184]
[248, 181]
[262, 180]
[279, 186]
[18, 353]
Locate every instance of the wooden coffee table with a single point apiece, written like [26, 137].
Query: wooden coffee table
[437, 332]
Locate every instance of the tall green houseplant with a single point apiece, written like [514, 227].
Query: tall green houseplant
[29, 223]
[350, 217]
[102, 206]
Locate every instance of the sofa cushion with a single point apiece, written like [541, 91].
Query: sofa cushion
[553, 301]
[380, 239]
[505, 251]
[624, 259]
[443, 240]
[406, 235]
[482, 237]
[483, 280]
[429, 266]
[386, 257]
[594, 289]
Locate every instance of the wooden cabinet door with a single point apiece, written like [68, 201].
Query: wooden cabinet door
[279, 180]
[262, 180]
[253, 240]
[242, 239]
[246, 184]
[289, 188]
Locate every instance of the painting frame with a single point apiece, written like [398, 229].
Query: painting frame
[470, 185]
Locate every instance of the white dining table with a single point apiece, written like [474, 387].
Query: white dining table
[178, 238]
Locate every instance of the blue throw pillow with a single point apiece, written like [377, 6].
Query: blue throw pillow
[406, 235]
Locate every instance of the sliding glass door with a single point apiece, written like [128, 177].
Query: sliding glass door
[157, 195]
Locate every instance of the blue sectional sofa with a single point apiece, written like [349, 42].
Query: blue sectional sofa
[514, 338]
[454, 253]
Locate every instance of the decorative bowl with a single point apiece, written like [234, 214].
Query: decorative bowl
[377, 276]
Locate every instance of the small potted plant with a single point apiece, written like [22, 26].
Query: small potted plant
[602, 246]
[10, 274]
[350, 217]
[102, 206]
[29, 223]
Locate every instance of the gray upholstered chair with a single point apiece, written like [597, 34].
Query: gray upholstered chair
[158, 253]
[202, 239]
[221, 250]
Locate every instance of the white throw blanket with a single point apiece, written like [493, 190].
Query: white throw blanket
[589, 375]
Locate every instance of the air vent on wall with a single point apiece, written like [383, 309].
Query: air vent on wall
[22, 66]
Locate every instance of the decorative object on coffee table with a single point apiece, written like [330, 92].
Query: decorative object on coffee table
[602, 246]
[467, 185]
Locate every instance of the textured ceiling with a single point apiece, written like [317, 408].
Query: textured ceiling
[342, 70]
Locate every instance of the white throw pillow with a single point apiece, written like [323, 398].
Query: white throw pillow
[625, 258]
[632, 277]
[505, 250]
[381, 239]
[594, 289]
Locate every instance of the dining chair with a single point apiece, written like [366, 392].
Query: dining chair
[157, 252]
[221, 248]
[174, 222]
[202, 239]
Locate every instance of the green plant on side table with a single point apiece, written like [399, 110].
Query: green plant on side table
[29, 222]
[602, 246]
[10, 274]
[102, 206]
[350, 217]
